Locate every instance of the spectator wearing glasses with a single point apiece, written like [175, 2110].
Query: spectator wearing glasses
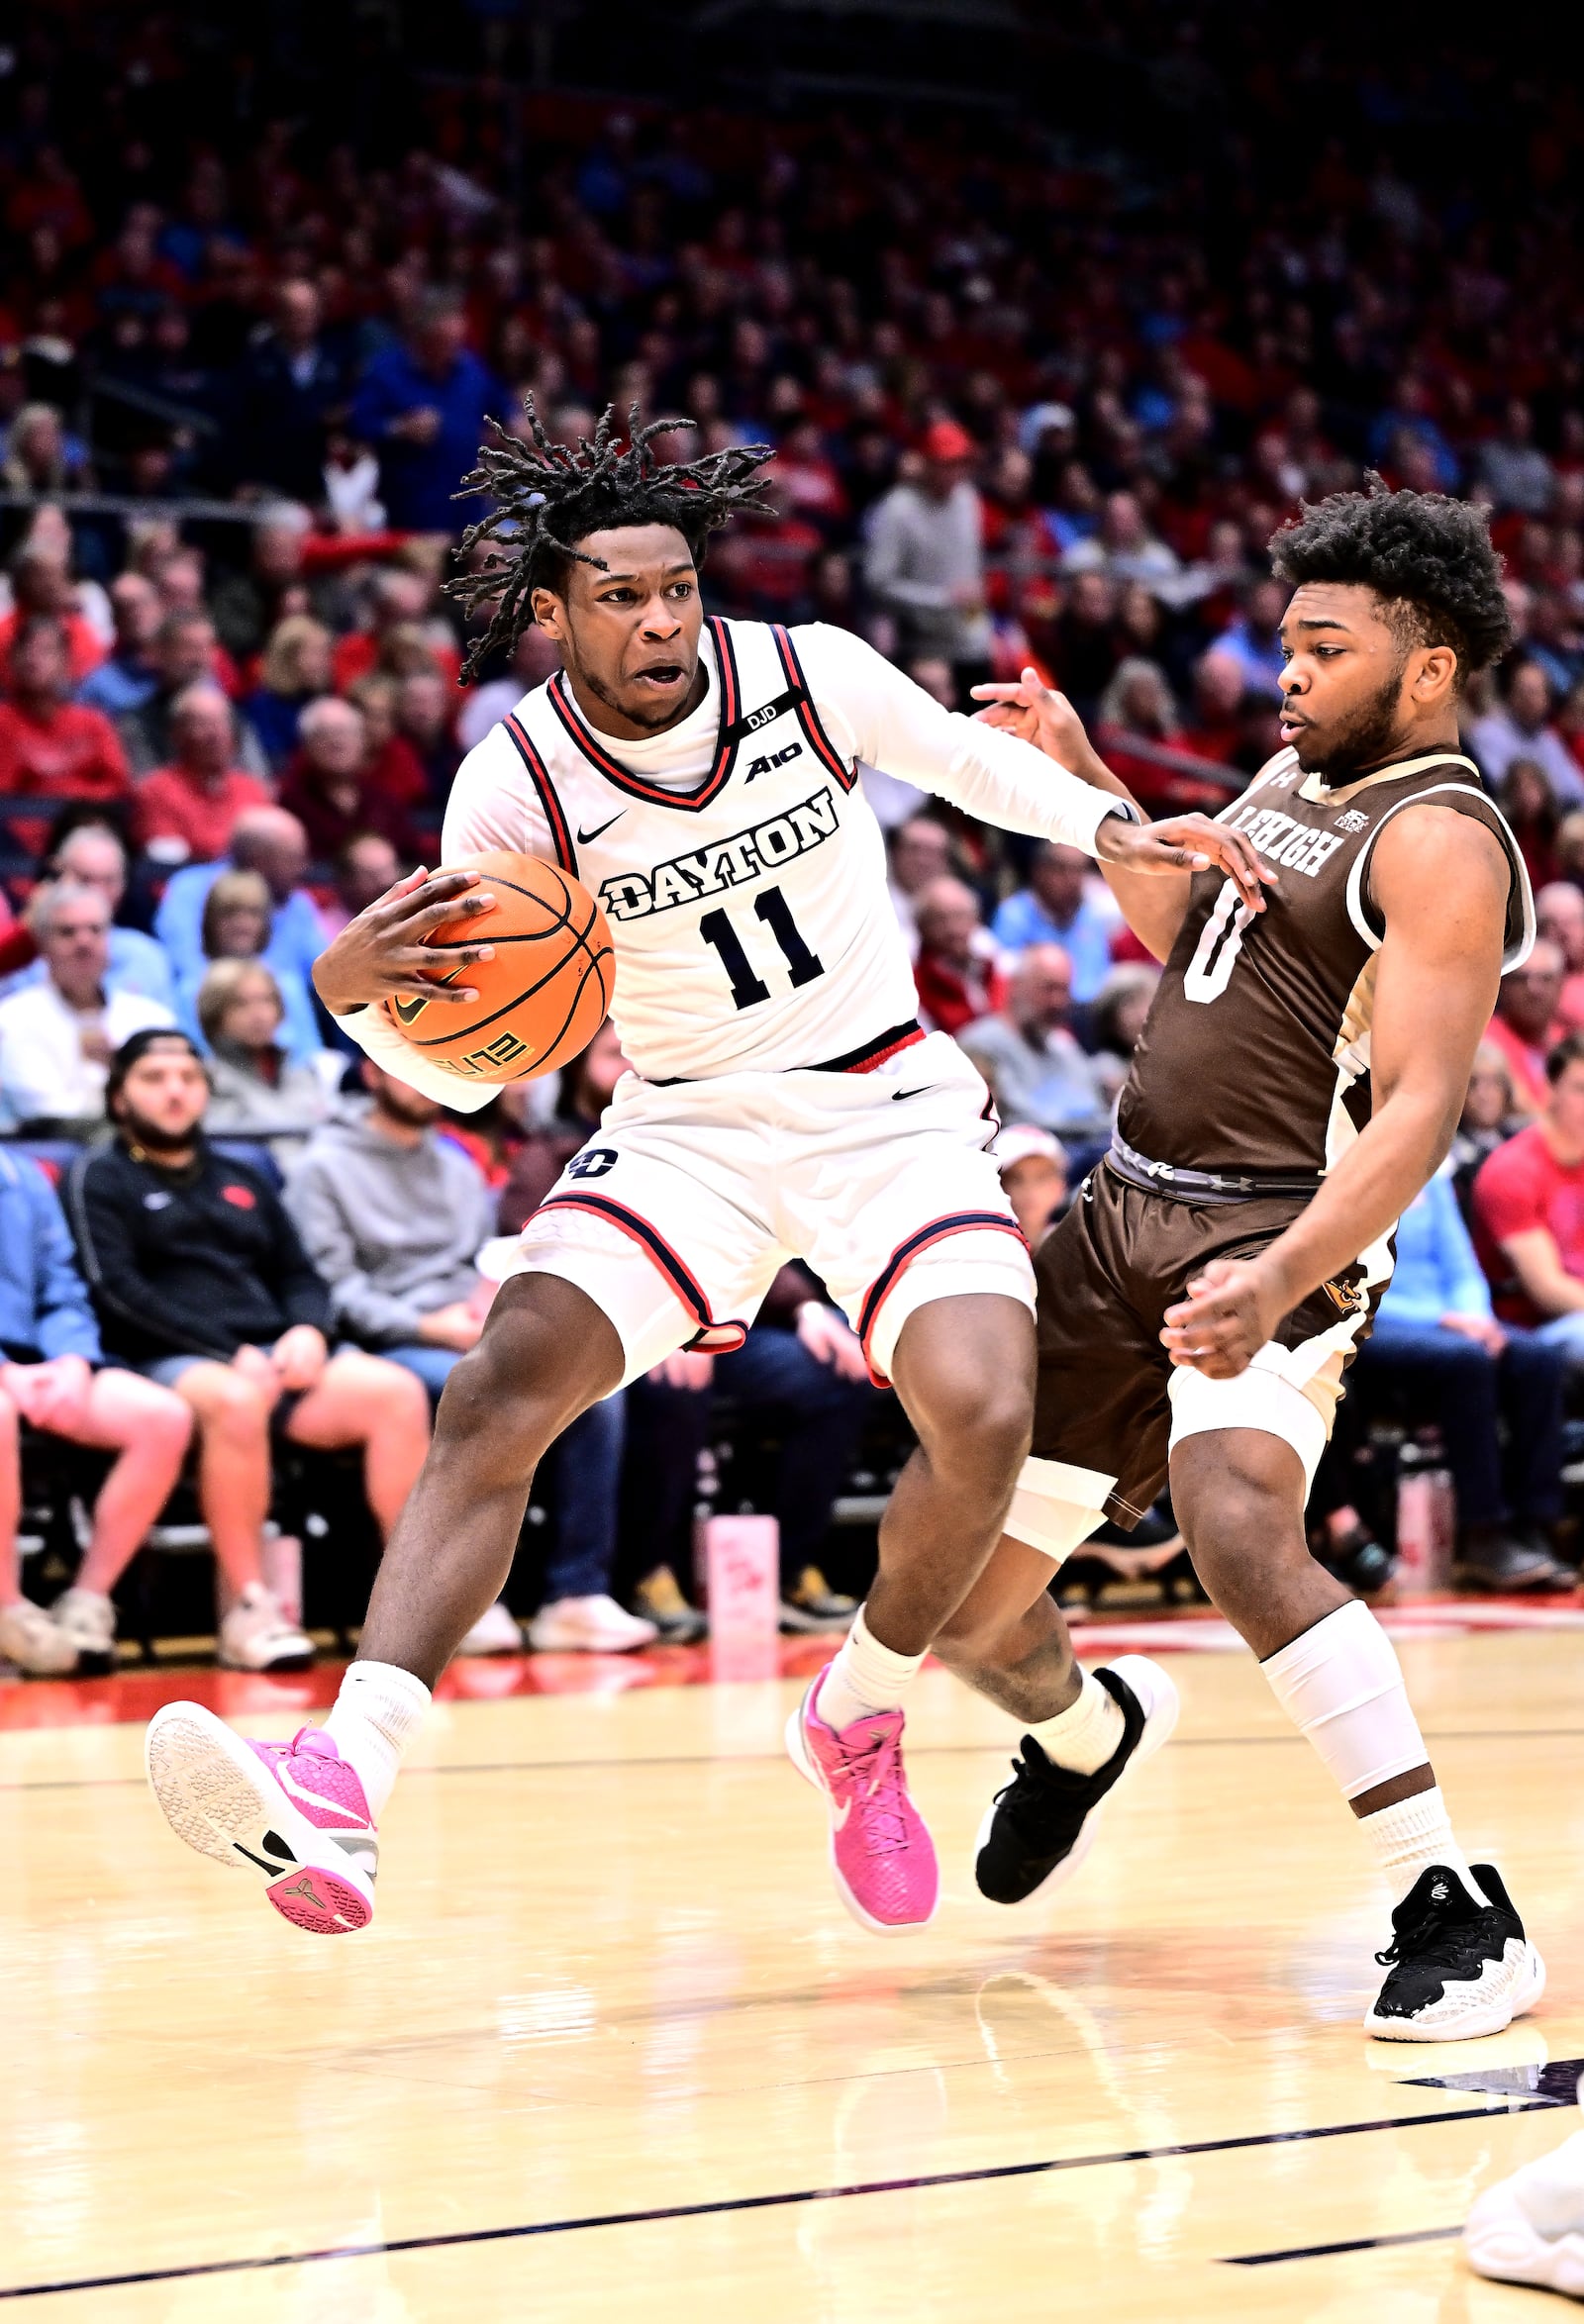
[200, 1283]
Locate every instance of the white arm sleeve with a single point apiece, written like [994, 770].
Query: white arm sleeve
[877, 715]
[493, 804]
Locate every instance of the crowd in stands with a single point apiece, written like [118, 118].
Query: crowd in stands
[1020, 413]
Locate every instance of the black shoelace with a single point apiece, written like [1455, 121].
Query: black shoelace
[1436, 1943]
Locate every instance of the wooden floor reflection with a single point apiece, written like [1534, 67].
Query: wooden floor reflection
[612, 2049]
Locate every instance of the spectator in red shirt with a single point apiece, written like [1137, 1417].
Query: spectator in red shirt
[1528, 1211]
[186, 810]
[1213, 731]
[956, 971]
[1524, 1027]
[40, 587]
[327, 787]
[50, 744]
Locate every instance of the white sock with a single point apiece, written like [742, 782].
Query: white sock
[1341, 1685]
[378, 1712]
[865, 1677]
[1412, 1836]
[1086, 1734]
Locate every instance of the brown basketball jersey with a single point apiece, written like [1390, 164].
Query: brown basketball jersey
[1255, 1057]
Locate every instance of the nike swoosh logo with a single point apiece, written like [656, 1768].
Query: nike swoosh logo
[407, 1011]
[295, 1790]
[838, 1816]
[588, 839]
[895, 1093]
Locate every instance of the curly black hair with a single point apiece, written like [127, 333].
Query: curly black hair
[547, 497]
[1430, 558]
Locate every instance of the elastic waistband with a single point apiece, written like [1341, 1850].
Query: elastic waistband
[864, 1060]
[1205, 1186]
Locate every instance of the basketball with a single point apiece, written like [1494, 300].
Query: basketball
[543, 995]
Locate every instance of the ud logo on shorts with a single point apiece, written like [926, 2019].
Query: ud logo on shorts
[593, 1162]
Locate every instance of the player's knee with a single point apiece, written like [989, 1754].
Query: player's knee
[502, 1416]
[1243, 1534]
[980, 1425]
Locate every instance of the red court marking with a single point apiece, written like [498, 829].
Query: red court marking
[132, 1696]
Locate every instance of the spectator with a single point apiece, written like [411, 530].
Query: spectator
[1037, 1071]
[403, 635]
[42, 591]
[91, 855]
[129, 675]
[325, 786]
[57, 1036]
[421, 405]
[53, 1376]
[392, 769]
[1524, 1027]
[237, 912]
[1490, 1116]
[1437, 1352]
[955, 969]
[50, 744]
[394, 1216]
[258, 1089]
[1513, 469]
[920, 855]
[294, 669]
[1117, 1022]
[200, 1283]
[1528, 803]
[1085, 643]
[365, 869]
[1123, 547]
[924, 562]
[534, 658]
[424, 719]
[1528, 1213]
[267, 840]
[249, 605]
[1560, 914]
[1057, 908]
[1033, 1173]
[185, 654]
[291, 389]
[186, 810]
[1253, 639]
[1212, 729]
[1522, 729]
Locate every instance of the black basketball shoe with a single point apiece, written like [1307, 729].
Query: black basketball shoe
[1458, 1968]
[1038, 1829]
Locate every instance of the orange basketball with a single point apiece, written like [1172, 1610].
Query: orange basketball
[542, 997]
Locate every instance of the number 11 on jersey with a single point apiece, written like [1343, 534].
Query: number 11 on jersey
[802, 966]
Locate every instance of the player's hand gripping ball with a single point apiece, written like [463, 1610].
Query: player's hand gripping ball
[543, 995]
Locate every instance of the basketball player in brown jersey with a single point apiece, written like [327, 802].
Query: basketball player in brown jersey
[1299, 1079]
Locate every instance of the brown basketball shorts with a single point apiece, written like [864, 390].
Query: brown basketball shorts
[1109, 1402]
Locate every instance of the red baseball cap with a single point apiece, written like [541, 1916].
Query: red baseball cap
[944, 440]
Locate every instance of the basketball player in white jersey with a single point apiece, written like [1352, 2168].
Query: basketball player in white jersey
[701, 779]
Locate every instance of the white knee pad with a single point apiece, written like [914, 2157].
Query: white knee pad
[1056, 1505]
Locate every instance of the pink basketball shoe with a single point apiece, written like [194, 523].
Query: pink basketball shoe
[882, 1857]
[295, 1811]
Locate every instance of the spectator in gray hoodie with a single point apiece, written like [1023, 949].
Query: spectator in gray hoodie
[393, 1216]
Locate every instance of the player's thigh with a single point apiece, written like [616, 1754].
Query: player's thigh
[894, 1199]
[661, 1224]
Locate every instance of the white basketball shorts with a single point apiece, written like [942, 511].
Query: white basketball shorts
[677, 1214]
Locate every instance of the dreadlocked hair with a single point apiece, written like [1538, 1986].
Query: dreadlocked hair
[1427, 557]
[547, 497]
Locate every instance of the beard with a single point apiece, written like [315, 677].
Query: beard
[638, 716]
[152, 1136]
[1357, 743]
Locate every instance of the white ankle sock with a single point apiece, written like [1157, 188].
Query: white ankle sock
[1086, 1734]
[1412, 1836]
[378, 1712]
[864, 1677]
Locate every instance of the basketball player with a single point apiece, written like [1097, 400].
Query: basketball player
[1299, 1079]
[701, 779]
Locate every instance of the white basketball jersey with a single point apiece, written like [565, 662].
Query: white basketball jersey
[750, 915]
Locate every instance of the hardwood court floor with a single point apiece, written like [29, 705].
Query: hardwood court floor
[612, 2049]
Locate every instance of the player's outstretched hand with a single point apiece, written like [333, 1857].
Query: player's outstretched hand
[1186, 842]
[1230, 1312]
[382, 955]
[1036, 713]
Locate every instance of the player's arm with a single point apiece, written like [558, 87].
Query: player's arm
[1440, 883]
[895, 725]
[380, 954]
[1154, 899]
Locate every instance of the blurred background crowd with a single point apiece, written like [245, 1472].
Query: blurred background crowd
[1041, 384]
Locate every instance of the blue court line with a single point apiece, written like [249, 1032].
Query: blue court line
[1328, 2250]
[397, 2245]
